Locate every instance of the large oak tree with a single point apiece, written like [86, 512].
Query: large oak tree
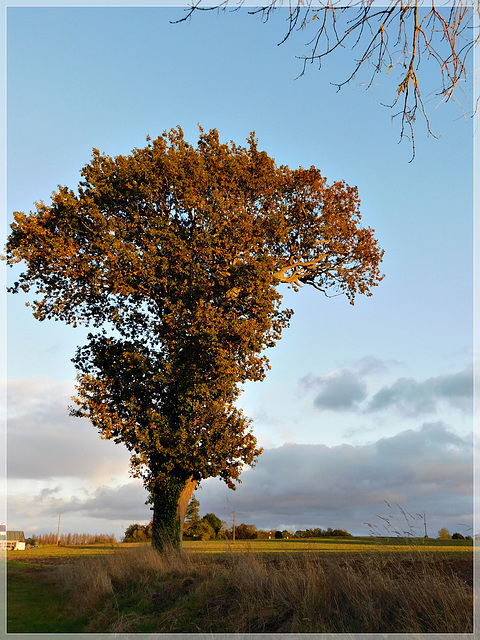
[175, 255]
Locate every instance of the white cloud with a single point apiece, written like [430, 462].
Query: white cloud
[44, 442]
[105, 503]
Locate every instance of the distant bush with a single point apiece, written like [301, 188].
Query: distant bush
[246, 532]
[199, 530]
[444, 534]
[457, 536]
[138, 533]
[214, 521]
[278, 535]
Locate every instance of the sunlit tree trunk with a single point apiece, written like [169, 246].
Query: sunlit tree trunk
[169, 508]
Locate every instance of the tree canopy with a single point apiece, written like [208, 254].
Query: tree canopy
[175, 254]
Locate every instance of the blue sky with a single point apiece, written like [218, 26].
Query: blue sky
[363, 404]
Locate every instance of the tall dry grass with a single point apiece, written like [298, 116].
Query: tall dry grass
[139, 590]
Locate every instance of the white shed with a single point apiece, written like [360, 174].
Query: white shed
[14, 540]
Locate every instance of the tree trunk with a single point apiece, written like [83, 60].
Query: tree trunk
[169, 508]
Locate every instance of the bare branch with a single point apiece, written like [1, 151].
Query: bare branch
[398, 37]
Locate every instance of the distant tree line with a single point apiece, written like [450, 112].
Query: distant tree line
[323, 533]
[211, 527]
[68, 539]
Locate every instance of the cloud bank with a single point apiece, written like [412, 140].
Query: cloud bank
[59, 464]
[429, 469]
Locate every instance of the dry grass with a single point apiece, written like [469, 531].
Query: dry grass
[138, 590]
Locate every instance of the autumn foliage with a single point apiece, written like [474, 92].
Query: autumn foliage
[175, 255]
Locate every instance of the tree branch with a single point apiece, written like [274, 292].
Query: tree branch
[447, 41]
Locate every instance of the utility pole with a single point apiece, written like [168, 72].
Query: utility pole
[425, 523]
[233, 540]
[424, 518]
[58, 529]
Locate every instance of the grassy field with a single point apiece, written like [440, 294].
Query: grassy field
[35, 604]
[329, 545]
[357, 585]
